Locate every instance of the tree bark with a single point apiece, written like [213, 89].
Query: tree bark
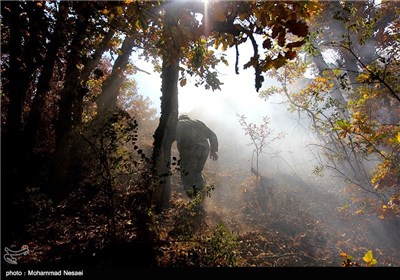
[106, 102]
[72, 85]
[87, 70]
[43, 85]
[23, 52]
[16, 76]
[26, 25]
[165, 132]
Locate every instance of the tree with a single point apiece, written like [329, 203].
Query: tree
[370, 131]
[351, 100]
[50, 52]
[72, 37]
[226, 24]
[259, 135]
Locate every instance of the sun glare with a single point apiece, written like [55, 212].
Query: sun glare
[205, 2]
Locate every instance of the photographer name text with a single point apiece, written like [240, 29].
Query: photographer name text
[10, 273]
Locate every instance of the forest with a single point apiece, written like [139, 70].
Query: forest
[90, 173]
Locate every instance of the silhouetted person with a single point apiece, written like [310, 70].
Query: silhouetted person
[195, 141]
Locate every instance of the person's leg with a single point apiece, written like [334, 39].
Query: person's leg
[200, 153]
[188, 163]
[191, 165]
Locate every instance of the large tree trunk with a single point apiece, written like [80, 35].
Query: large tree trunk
[14, 88]
[165, 132]
[68, 95]
[88, 69]
[106, 102]
[24, 57]
[43, 85]
[23, 50]
[26, 24]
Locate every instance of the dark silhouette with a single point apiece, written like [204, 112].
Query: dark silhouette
[195, 142]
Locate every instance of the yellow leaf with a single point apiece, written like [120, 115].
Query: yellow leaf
[369, 258]
[137, 25]
[120, 10]
[398, 136]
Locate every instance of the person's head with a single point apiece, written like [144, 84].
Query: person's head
[183, 117]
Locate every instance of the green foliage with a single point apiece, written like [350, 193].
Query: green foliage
[191, 242]
[200, 62]
[217, 247]
[110, 139]
[191, 216]
[221, 248]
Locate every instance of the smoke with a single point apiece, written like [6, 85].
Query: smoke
[286, 165]
[219, 111]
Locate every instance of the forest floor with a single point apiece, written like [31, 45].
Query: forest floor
[288, 222]
[285, 221]
[275, 222]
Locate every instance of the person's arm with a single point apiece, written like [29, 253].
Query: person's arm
[212, 137]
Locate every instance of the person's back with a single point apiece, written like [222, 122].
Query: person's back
[191, 132]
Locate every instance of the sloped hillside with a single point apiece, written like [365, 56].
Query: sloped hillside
[286, 221]
[275, 221]
[281, 221]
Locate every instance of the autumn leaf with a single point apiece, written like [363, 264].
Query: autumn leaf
[138, 25]
[267, 44]
[120, 10]
[281, 38]
[295, 44]
[290, 54]
[276, 29]
[298, 28]
[248, 64]
[182, 82]
[369, 258]
[279, 61]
